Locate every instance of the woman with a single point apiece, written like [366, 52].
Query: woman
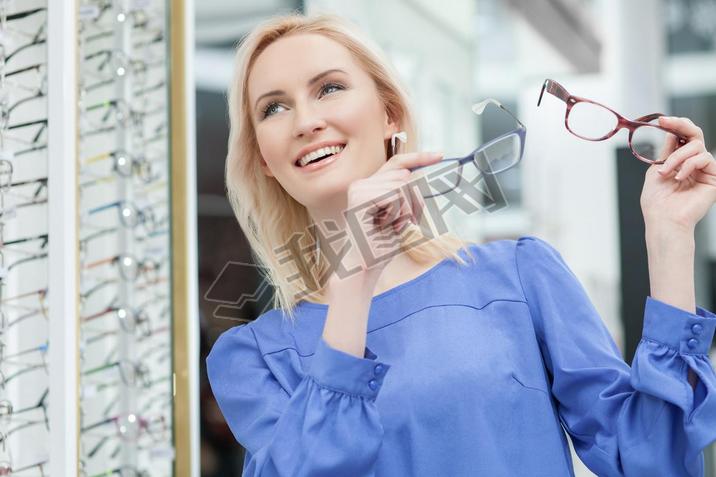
[451, 358]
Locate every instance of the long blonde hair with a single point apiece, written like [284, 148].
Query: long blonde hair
[273, 220]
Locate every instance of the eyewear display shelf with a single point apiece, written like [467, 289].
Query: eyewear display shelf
[94, 330]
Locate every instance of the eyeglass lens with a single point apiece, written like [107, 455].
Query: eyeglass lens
[501, 151]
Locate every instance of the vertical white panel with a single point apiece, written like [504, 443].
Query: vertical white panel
[62, 190]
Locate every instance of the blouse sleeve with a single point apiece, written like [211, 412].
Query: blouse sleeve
[624, 421]
[327, 424]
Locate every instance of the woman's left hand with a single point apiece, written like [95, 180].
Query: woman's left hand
[685, 190]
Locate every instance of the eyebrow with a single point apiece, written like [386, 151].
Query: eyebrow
[278, 92]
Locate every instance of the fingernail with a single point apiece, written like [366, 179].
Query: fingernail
[677, 176]
[661, 169]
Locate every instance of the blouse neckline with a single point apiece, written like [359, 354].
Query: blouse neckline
[443, 283]
[390, 291]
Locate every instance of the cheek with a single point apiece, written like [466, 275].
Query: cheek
[364, 119]
[270, 149]
[354, 116]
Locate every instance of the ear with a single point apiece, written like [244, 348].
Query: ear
[390, 127]
[264, 167]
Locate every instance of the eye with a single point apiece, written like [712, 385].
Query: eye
[324, 87]
[267, 109]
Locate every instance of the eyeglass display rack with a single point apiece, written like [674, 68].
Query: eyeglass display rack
[96, 347]
[126, 370]
[24, 331]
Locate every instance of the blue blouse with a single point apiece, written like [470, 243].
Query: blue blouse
[473, 370]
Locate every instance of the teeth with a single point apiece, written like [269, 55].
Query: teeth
[318, 153]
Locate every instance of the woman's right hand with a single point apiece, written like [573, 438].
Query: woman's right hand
[383, 210]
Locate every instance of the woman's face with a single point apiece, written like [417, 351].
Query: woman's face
[340, 107]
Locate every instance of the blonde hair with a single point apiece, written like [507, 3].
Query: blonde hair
[271, 218]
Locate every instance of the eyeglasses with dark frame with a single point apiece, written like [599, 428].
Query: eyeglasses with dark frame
[642, 131]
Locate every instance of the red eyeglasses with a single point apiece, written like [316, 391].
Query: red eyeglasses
[593, 121]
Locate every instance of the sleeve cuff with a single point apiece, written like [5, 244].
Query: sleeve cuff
[340, 371]
[690, 333]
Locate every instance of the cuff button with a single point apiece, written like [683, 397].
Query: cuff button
[697, 328]
[692, 343]
[378, 369]
[373, 384]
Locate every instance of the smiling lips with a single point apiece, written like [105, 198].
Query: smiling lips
[312, 152]
[321, 163]
[324, 151]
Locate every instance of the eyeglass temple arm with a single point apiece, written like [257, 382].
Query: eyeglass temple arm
[649, 117]
[479, 108]
[460, 161]
[555, 89]
[402, 136]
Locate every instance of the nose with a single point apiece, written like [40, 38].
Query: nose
[307, 122]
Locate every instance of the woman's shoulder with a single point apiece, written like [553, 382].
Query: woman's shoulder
[500, 266]
[502, 253]
[263, 334]
[499, 251]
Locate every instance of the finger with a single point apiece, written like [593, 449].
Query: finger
[393, 174]
[668, 147]
[704, 178]
[399, 211]
[417, 204]
[413, 203]
[392, 195]
[390, 213]
[698, 161]
[411, 160]
[683, 126]
[410, 206]
[680, 155]
[403, 217]
[382, 189]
